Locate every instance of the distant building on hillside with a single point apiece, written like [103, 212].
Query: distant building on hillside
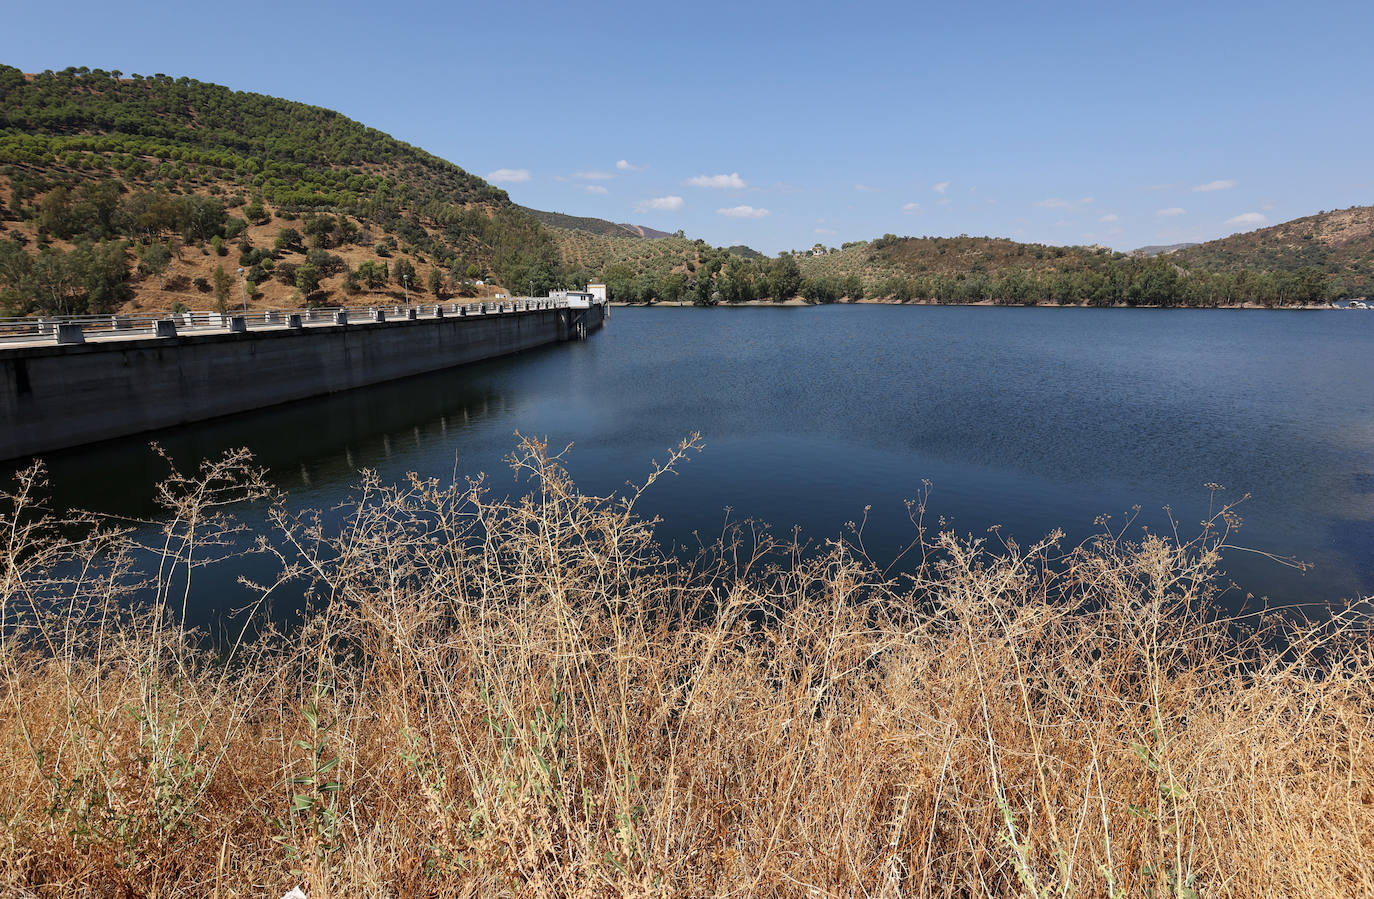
[581, 299]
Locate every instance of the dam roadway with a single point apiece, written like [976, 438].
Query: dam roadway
[63, 385]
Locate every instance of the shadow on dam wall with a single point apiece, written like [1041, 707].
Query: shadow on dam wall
[348, 430]
[54, 397]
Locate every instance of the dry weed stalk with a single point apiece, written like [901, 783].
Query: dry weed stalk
[526, 697]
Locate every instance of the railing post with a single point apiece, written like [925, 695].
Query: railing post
[341, 316]
[293, 320]
[164, 327]
[238, 324]
[70, 332]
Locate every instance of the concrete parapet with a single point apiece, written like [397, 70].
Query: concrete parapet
[54, 396]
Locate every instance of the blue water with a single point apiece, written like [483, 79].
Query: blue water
[1028, 418]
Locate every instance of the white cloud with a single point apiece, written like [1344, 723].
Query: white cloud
[596, 189]
[660, 204]
[509, 176]
[1054, 203]
[1110, 217]
[911, 208]
[866, 188]
[1172, 211]
[743, 212]
[1214, 185]
[594, 176]
[940, 187]
[1087, 201]
[825, 231]
[624, 166]
[1254, 219]
[732, 181]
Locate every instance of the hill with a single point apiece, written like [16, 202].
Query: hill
[131, 190]
[594, 225]
[153, 192]
[1340, 244]
[582, 223]
[1161, 249]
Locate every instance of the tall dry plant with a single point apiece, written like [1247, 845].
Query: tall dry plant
[528, 697]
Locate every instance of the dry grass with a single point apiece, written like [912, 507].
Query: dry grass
[526, 698]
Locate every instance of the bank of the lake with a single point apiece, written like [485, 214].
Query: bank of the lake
[1030, 419]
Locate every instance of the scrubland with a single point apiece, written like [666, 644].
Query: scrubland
[528, 697]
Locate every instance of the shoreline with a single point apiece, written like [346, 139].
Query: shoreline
[1305, 307]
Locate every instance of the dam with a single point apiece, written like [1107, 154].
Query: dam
[64, 383]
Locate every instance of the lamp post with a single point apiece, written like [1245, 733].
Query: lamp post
[243, 285]
[405, 286]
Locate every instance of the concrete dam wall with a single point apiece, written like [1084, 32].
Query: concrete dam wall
[55, 396]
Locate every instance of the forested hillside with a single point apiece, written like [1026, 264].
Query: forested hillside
[116, 189]
[1340, 244]
[152, 193]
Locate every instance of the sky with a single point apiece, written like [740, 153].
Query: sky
[780, 125]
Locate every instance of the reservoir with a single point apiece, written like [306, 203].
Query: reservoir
[1028, 419]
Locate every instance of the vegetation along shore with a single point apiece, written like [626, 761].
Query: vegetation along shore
[154, 193]
[527, 697]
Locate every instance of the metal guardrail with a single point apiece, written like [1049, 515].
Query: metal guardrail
[75, 329]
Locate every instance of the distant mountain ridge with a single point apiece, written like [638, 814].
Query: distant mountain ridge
[594, 225]
[1161, 250]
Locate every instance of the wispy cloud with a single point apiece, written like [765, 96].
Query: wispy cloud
[866, 188]
[911, 208]
[625, 166]
[825, 231]
[1252, 219]
[1172, 211]
[660, 204]
[594, 176]
[731, 181]
[1158, 187]
[596, 189]
[1088, 201]
[940, 186]
[1110, 217]
[744, 212]
[1214, 185]
[1054, 203]
[509, 176]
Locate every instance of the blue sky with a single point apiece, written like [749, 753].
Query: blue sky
[780, 125]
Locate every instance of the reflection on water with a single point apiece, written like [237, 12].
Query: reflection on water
[1031, 419]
